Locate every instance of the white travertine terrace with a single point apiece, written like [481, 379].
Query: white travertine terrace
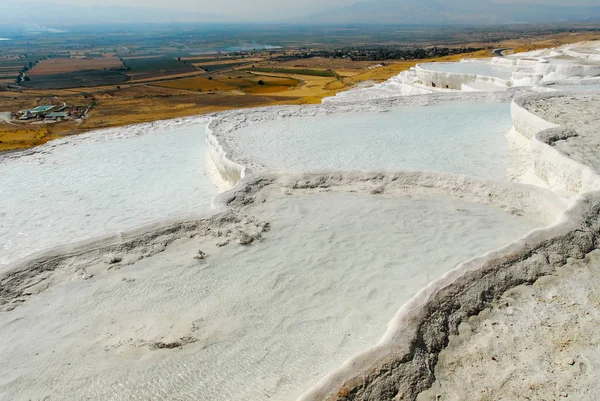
[574, 85]
[398, 362]
[233, 161]
[524, 69]
[569, 64]
[90, 185]
[250, 320]
[401, 364]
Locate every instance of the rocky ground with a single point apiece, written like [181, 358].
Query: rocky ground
[538, 342]
[579, 113]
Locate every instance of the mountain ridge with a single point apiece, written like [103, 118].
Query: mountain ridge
[448, 13]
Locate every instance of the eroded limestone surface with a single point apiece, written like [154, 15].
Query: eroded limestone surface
[579, 114]
[536, 342]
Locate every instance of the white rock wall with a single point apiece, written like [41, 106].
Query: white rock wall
[230, 171]
[452, 80]
[559, 171]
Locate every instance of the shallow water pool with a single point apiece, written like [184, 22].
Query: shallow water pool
[463, 138]
[78, 191]
[483, 69]
[269, 320]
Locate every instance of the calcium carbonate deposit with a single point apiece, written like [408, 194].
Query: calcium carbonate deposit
[473, 68]
[256, 322]
[464, 138]
[84, 187]
[576, 86]
[358, 237]
[576, 63]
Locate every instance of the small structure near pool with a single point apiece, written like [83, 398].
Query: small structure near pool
[53, 113]
[57, 116]
[35, 112]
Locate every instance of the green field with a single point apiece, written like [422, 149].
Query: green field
[143, 68]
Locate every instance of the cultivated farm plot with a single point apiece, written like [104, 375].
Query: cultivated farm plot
[295, 71]
[253, 84]
[197, 84]
[226, 61]
[143, 68]
[270, 84]
[9, 73]
[66, 65]
[76, 79]
[211, 67]
[311, 86]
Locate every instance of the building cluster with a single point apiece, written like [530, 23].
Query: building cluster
[52, 113]
[379, 53]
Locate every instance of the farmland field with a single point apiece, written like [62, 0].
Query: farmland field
[317, 73]
[76, 79]
[142, 68]
[197, 84]
[210, 67]
[9, 72]
[253, 84]
[218, 61]
[66, 65]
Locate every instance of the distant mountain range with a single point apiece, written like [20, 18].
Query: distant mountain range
[472, 12]
[395, 12]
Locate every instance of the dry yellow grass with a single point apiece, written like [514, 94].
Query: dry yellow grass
[335, 85]
[143, 104]
[272, 84]
[310, 86]
[26, 138]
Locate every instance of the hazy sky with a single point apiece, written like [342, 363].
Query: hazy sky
[234, 8]
[86, 11]
[268, 8]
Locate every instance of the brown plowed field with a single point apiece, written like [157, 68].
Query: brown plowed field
[65, 65]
